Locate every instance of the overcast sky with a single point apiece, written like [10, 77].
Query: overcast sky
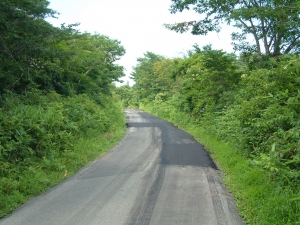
[138, 25]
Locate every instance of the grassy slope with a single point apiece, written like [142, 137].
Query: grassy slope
[38, 178]
[22, 181]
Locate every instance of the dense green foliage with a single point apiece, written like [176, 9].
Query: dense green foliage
[57, 107]
[251, 106]
[34, 54]
[40, 125]
[272, 24]
[128, 96]
[46, 137]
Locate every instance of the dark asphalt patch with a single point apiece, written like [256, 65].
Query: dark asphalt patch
[178, 146]
[186, 155]
[137, 124]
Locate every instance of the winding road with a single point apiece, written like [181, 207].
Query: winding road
[157, 175]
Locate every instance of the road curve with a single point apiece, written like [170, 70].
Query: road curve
[157, 175]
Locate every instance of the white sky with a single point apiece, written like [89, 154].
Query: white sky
[138, 24]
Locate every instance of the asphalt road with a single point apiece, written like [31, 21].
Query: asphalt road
[157, 175]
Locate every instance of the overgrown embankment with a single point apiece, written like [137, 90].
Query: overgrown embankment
[245, 110]
[57, 110]
[46, 137]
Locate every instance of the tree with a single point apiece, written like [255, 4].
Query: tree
[274, 24]
[25, 38]
[205, 77]
[34, 54]
[89, 65]
[143, 75]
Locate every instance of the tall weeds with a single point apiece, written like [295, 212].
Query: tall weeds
[254, 122]
[46, 137]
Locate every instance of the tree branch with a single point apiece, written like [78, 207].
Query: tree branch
[292, 45]
[253, 31]
[7, 51]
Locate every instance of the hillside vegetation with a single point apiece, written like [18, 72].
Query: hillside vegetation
[244, 109]
[57, 107]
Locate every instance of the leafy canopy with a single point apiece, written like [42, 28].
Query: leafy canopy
[36, 55]
[143, 75]
[274, 24]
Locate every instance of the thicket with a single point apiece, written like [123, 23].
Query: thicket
[57, 106]
[251, 103]
[46, 137]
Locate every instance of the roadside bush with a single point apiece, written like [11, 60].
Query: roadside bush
[256, 112]
[264, 120]
[45, 137]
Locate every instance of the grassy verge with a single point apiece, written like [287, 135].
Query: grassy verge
[27, 182]
[260, 201]
[45, 138]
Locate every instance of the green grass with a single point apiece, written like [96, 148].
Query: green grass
[45, 137]
[25, 182]
[259, 199]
